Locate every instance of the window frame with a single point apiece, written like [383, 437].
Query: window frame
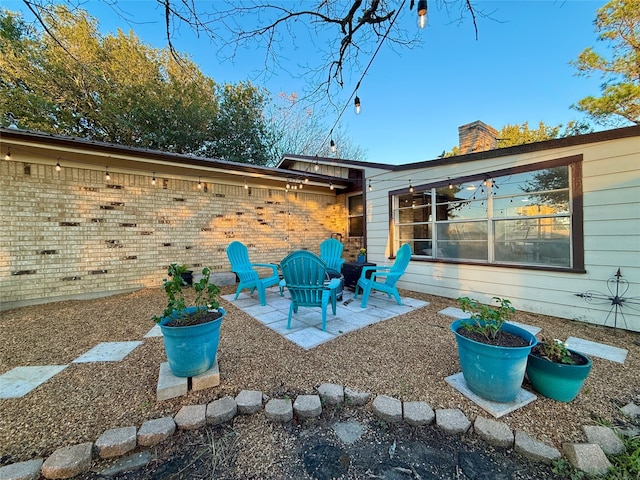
[576, 215]
[350, 215]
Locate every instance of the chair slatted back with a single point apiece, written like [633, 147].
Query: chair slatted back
[331, 253]
[238, 255]
[403, 256]
[305, 274]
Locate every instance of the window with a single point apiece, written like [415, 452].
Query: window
[356, 216]
[516, 218]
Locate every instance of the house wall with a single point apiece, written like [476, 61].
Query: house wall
[71, 234]
[611, 189]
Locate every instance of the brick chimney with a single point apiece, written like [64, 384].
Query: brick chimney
[477, 137]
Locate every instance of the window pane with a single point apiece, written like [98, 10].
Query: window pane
[529, 205]
[542, 241]
[356, 226]
[462, 240]
[355, 205]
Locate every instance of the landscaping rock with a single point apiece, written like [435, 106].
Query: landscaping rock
[191, 417]
[29, 470]
[249, 401]
[387, 408]
[279, 410]
[452, 421]
[355, 397]
[535, 450]
[155, 431]
[631, 410]
[67, 462]
[493, 432]
[331, 394]
[605, 437]
[587, 457]
[418, 413]
[221, 410]
[116, 442]
[307, 406]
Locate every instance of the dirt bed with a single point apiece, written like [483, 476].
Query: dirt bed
[406, 357]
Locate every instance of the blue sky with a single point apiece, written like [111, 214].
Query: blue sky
[413, 101]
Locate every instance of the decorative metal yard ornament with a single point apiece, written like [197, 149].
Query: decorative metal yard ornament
[618, 287]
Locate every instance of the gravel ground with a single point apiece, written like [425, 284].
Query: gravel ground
[406, 357]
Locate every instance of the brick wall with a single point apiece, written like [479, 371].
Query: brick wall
[72, 233]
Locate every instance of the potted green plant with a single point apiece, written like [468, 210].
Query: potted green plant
[191, 333]
[492, 354]
[556, 371]
[362, 255]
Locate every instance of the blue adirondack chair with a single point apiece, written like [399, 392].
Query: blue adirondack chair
[331, 253]
[384, 278]
[305, 275]
[247, 272]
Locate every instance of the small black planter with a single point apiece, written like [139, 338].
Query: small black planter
[187, 277]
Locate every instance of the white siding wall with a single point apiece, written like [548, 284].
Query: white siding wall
[611, 187]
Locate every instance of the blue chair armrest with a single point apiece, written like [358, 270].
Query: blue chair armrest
[267, 265]
[372, 269]
[333, 284]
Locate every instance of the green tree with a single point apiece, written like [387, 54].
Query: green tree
[74, 81]
[511, 135]
[618, 23]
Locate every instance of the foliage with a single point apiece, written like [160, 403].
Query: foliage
[74, 81]
[512, 135]
[487, 320]
[618, 23]
[362, 251]
[564, 469]
[627, 464]
[297, 129]
[554, 350]
[206, 293]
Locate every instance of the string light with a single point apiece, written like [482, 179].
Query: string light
[316, 166]
[333, 146]
[306, 180]
[356, 104]
[422, 13]
[58, 166]
[153, 179]
[199, 184]
[288, 184]
[106, 173]
[370, 186]
[246, 185]
[8, 155]
[410, 187]
[331, 185]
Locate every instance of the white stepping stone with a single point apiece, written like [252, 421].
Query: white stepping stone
[454, 312]
[108, 352]
[595, 349]
[21, 380]
[156, 331]
[496, 409]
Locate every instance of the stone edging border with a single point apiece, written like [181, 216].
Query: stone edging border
[67, 462]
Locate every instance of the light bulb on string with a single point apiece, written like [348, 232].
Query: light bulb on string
[356, 104]
[306, 180]
[199, 183]
[331, 185]
[153, 179]
[288, 184]
[410, 187]
[316, 166]
[370, 186]
[246, 185]
[58, 166]
[8, 155]
[333, 146]
[107, 176]
[422, 13]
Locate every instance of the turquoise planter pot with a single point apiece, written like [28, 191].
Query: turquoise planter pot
[191, 350]
[492, 372]
[557, 381]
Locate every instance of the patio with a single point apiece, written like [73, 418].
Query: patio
[407, 356]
